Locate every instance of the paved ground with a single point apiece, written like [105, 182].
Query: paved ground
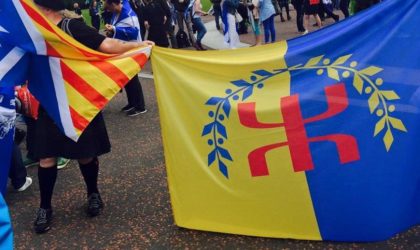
[133, 184]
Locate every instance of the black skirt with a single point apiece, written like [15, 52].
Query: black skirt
[48, 141]
[311, 9]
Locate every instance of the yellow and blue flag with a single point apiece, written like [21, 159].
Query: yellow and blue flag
[312, 138]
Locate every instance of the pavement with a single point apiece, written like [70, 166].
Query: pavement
[133, 184]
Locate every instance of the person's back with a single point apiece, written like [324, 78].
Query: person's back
[50, 142]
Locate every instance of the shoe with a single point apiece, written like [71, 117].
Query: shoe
[62, 162]
[282, 20]
[28, 162]
[127, 108]
[136, 112]
[27, 183]
[315, 25]
[305, 32]
[289, 18]
[95, 205]
[43, 220]
[197, 47]
[336, 18]
[201, 47]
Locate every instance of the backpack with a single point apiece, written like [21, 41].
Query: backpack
[182, 39]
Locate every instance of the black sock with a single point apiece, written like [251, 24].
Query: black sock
[90, 175]
[46, 178]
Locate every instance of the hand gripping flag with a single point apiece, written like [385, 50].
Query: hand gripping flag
[313, 138]
[72, 82]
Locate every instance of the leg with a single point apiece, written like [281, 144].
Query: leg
[135, 94]
[217, 11]
[233, 35]
[318, 20]
[180, 20]
[17, 172]
[329, 11]
[344, 7]
[201, 30]
[287, 11]
[89, 168]
[47, 176]
[272, 29]
[281, 12]
[306, 22]
[266, 31]
[299, 18]
[188, 23]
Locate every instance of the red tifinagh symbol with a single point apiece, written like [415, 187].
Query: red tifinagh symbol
[297, 140]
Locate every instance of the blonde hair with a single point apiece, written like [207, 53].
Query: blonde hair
[69, 14]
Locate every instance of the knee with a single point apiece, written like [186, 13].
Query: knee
[85, 161]
[47, 162]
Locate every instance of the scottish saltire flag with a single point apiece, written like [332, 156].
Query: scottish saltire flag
[126, 24]
[313, 138]
[72, 82]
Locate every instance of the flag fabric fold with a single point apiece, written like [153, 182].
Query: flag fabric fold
[312, 138]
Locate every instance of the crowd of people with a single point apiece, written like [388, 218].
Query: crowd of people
[129, 24]
[179, 24]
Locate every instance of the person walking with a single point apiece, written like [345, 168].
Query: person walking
[95, 15]
[217, 8]
[50, 142]
[125, 26]
[230, 33]
[298, 5]
[156, 17]
[255, 21]
[182, 18]
[311, 8]
[284, 4]
[267, 13]
[196, 19]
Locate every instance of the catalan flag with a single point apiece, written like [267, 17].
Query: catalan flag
[313, 138]
[72, 82]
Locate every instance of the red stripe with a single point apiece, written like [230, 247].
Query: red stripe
[83, 87]
[112, 72]
[79, 122]
[141, 59]
[52, 51]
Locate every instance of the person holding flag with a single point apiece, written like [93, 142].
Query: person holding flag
[51, 142]
[125, 26]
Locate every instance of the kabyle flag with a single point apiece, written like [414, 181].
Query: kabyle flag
[312, 138]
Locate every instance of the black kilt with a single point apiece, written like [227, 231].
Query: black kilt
[49, 141]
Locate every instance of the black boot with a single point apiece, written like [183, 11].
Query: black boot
[43, 220]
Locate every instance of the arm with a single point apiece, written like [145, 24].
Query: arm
[115, 46]
[197, 7]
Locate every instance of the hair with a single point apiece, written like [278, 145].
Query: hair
[69, 14]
